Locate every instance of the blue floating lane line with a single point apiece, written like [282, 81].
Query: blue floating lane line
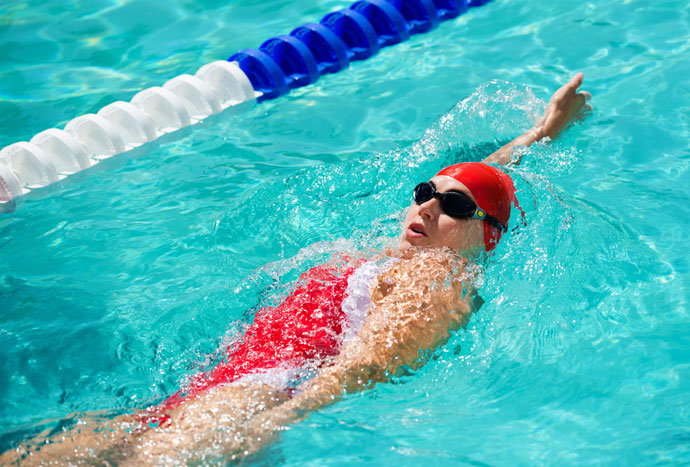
[355, 31]
[329, 51]
[388, 23]
[263, 72]
[279, 64]
[449, 9]
[421, 15]
[294, 58]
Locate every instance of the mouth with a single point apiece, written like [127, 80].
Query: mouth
[416, 230]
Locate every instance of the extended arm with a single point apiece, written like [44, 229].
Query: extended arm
[564, 106]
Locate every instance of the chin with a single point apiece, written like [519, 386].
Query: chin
[406, 244]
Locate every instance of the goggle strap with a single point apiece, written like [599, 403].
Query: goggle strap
[493, 222]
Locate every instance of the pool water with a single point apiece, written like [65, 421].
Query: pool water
[120, 282]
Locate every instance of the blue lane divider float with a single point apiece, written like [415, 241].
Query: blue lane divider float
[329, 51]
[355, 31]
[449, 9]
[421, 15]
[387, 21]
[294, 58]
[279, 64]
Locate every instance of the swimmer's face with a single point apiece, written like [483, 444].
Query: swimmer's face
[427, 225]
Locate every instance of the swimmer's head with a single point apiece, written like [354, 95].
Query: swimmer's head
[465, 207]
[493, 191]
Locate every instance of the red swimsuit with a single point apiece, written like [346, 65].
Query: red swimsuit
[306, 326]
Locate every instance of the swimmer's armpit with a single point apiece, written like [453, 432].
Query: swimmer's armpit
[564, 106]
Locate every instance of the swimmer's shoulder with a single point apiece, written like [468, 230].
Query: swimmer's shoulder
[423, 271]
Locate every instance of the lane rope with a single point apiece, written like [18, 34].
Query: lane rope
[279, 64]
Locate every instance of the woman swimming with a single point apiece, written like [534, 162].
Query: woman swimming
[349, 325]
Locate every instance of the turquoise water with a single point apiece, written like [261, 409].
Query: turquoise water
[120, 282]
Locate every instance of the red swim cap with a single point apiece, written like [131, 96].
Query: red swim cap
[493, 190]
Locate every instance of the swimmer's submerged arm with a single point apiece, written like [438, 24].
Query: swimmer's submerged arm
[411, 315]
[565, 104]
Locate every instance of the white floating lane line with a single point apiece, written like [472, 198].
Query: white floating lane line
[164, 108]
[197, 96]
[118, 127]
[98, 136]
[10, 186]
[229, 82]
[133, 125]
[31, 165]
[68, 154]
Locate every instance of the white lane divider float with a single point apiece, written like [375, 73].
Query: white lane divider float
[97, 135]
[121, 126]
[31, 165]
[130, 122]
[69, 155]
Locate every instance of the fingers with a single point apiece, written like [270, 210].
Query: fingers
[587, 107]
[585, 98]
[569, 90]
[576, 80]
[584, 108]
[574, 84]
[582, 97]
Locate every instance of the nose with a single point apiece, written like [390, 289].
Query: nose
[430, 209]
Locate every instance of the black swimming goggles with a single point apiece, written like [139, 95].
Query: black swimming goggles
[455, 204]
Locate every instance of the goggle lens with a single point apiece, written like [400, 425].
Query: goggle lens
[454, 203]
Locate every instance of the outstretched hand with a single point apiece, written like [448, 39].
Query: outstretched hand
[564, 106]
